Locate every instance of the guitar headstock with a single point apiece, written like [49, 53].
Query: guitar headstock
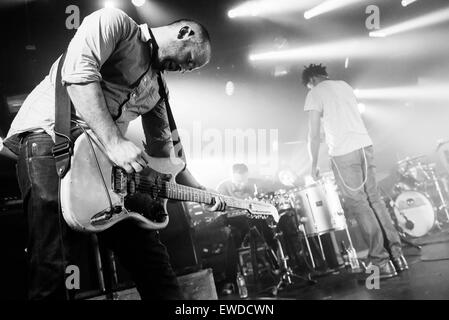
[263, 209]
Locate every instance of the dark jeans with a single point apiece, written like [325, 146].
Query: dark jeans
[52, 245]
[366, 204]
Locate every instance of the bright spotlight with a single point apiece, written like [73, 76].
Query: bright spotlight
[138, 3]
[377, 34]
[405, 3]
[266, 7]
[354, 48]
[361, 107]
[415, 23]
[229, 89]
[231, 14]
[329, 5]
[431, 92]
[109, 4]
[330, 50]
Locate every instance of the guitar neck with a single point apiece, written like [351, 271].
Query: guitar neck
[174, 191]
[183, 193]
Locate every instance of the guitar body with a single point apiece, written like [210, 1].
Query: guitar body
[87, 190]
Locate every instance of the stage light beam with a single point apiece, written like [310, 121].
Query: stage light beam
[109, 4]
[415, 23]
[406, 3]
[138, 3]
[431, 92]
[267, 7]
[327, 6]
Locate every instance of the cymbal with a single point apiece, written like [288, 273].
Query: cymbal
[411, 159]
[429, 165]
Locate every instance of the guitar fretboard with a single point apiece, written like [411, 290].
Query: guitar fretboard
[183, 193]
[174, 191]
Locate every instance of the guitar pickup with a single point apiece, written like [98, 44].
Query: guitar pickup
[119, 180]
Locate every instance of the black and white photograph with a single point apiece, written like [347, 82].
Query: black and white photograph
[224, 155]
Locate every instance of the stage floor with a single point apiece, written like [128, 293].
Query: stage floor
[427, 278]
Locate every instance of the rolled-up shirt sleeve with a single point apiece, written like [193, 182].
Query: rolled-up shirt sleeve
[93, 44]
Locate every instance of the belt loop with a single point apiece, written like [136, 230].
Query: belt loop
[22, 137]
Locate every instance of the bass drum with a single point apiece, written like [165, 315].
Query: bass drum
[414, 213]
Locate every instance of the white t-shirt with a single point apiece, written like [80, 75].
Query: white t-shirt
[343, 125]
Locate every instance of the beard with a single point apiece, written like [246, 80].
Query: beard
[166, 64]
[170, 65]
[166, 59]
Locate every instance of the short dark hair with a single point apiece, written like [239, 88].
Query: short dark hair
[239, 168]
[311, 71]
[204, 34]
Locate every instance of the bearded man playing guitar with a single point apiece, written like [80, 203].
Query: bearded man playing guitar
[110, 70]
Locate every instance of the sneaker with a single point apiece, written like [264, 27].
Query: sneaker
[400, 264]
[387, 270]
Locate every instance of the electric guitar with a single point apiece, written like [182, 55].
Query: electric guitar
[95, 194]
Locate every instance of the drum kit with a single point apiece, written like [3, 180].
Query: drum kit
[420, 198]
[317, 210]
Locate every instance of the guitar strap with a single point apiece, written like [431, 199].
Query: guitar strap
[63, 148]
[179, 151]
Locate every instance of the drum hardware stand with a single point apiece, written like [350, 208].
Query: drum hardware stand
[443, 205]
[322, 254]
[287, 275]
[303, 230]
[98, 263]
[253, 250]
[319, 238]
[106, 269]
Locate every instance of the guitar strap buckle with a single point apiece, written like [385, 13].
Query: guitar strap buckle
[62, 152]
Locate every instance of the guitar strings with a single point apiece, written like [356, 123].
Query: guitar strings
[180, 192]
